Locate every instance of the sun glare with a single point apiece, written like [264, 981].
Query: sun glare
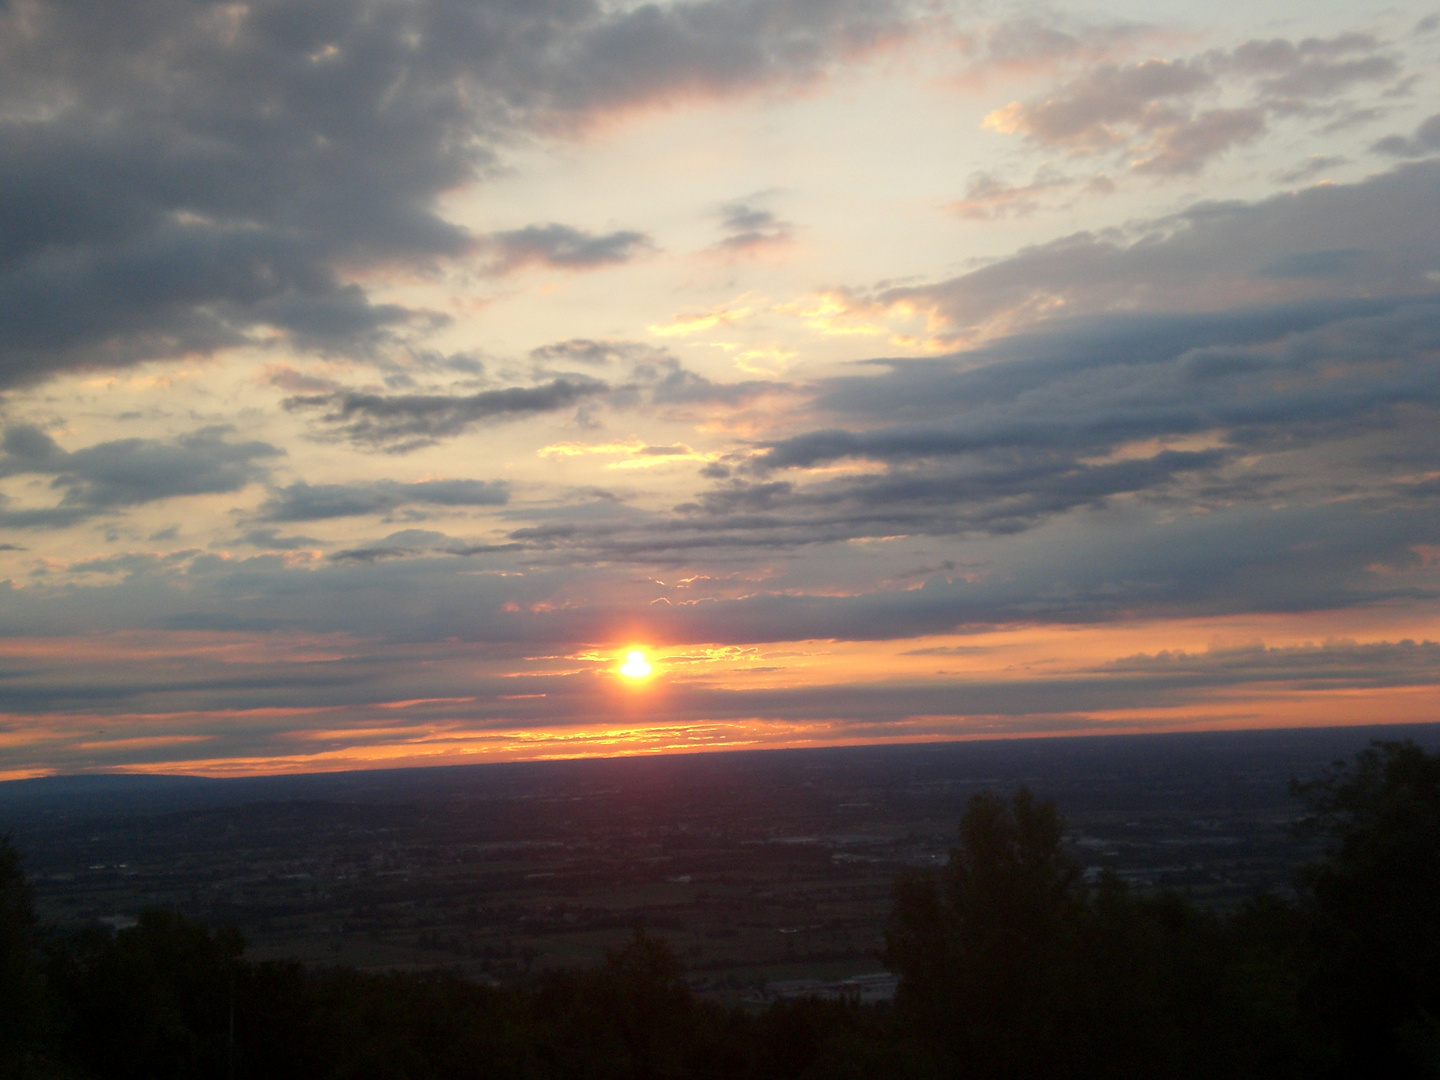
[635, 665]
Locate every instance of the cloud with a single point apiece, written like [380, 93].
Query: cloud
[1211, 255]
[559, 247]
[203, 178]
[1139, 459]
[1088, 387]
[1315, 67]
[271, 540]
[1423, 143]
[288, 378]
[654, 55]
[315, 709]
[1267, 552]
[751, 230]
[951, 501]
[672, 384]
[128, 472]
[399, 545]
[1312, 166]
[1183, 148]
[1315, 264]
[400, 423]
[188, 178]
[1026, 46]
[1082, 115]
[1331, 665]
[1186, 424]
[592, 352]
[1126, 565]
[987, 198]
[1147, 111]
[320, 502]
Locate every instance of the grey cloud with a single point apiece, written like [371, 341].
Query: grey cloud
[271, 540]
[1190, 261]
[1331, 665]
[319, 502]
[655, 53]
[588, 351]
[1184, 148]
[182, 177]
[1026, 41]
[1353, 118]
[1146, 109]
[1424, 142]
[202, 179]
[987, 198]
[466, 362]
[128, 472]
[672, 384]
[1312, 166]
[298, 382]
[1301, 372]
[409, 543]
[400, 423]
[371, 554]
[743, 517]
[750, 229]
[400, 545]
[403, 422]
[1081, 113]
[1315, 264]
[1125, 562]
[133, 564]
[1242, 558]
[1083, 423]
[1315, 67]
[560, 247]
[949, 502]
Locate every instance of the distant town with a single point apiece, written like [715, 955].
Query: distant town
[769, 874]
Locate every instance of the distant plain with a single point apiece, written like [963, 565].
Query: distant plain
[757, 867]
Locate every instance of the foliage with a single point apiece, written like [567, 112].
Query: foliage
[1376, 902]
[21, 1007]
[1011, 967]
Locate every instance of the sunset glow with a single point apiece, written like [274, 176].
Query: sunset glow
[887, 371]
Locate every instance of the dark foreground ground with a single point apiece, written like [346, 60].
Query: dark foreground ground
[759, 870]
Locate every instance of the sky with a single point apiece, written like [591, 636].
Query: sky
[376, 375]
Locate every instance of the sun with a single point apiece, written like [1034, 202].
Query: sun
[635, 667]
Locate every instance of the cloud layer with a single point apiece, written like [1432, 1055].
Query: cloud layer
[373, 373]
[127, 472]
[185, 177]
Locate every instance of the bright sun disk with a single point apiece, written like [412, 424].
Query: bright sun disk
[635, 666]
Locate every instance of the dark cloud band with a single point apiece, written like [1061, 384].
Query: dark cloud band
[403, 422]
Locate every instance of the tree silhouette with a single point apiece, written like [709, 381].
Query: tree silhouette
[21, 1004]
[1376, 906]
[986, 951]
[1010, 967]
